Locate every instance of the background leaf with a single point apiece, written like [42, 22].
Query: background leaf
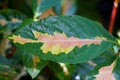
[81, 71]
[95, 71]
[27, 59]
[10, 19]
[76, 26]
[40, 6]
[7, 72]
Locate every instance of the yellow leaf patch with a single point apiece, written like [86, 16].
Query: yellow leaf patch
[19, 39]
[36, 60]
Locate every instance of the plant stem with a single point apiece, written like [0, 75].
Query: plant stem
[113, 15]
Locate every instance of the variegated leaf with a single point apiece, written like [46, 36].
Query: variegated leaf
[68, 39]
[105, 73]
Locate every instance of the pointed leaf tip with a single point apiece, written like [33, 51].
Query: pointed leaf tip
[105, 73]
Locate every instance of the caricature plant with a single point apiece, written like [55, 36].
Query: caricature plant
[60, 42]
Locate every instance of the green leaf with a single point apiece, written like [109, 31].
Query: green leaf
[58, 71]
[91, 38]
[4, 61]
[69, 6]
[10, 19]
[82, 70]
[33, 64]
[43, 5]
[6, 71]
[104, 56]
[25, 23]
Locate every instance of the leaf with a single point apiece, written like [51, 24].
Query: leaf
[81, 71]
[57, 69]
[40, 6]
[10, 19]
[92, 39]
[47, 13]
[103, 57]
[4, 61]
[68, 7]
[105, 73]
[32, 63]
[6, 70]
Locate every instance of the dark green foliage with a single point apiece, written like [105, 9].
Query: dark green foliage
[12, 19]
[30, 55]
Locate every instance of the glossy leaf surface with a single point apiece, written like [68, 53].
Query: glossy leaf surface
[86, 39]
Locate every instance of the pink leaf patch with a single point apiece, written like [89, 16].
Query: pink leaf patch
[57, 43]
[105, 73]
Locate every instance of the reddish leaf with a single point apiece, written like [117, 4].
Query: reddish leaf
[105, 73]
